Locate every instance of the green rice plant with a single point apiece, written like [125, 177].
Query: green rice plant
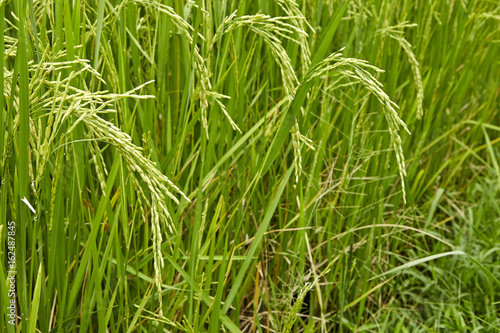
[156, 143]
[396, 33]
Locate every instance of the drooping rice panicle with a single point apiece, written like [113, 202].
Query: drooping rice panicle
[357, 70]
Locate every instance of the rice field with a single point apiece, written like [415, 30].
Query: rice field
[250, 166]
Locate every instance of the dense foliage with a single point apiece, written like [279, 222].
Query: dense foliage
[271, 166]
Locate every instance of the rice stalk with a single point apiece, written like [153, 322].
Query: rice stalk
[357, 70]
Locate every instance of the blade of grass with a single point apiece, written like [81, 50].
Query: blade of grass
[293, 108]
[35, 302]
[419, 261]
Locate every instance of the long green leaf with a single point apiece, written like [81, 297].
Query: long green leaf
[256, 242]
[300, 96]
[35, 303]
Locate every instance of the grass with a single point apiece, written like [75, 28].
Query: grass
[207, 166]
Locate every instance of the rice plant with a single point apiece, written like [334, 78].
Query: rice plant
[255, 166]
